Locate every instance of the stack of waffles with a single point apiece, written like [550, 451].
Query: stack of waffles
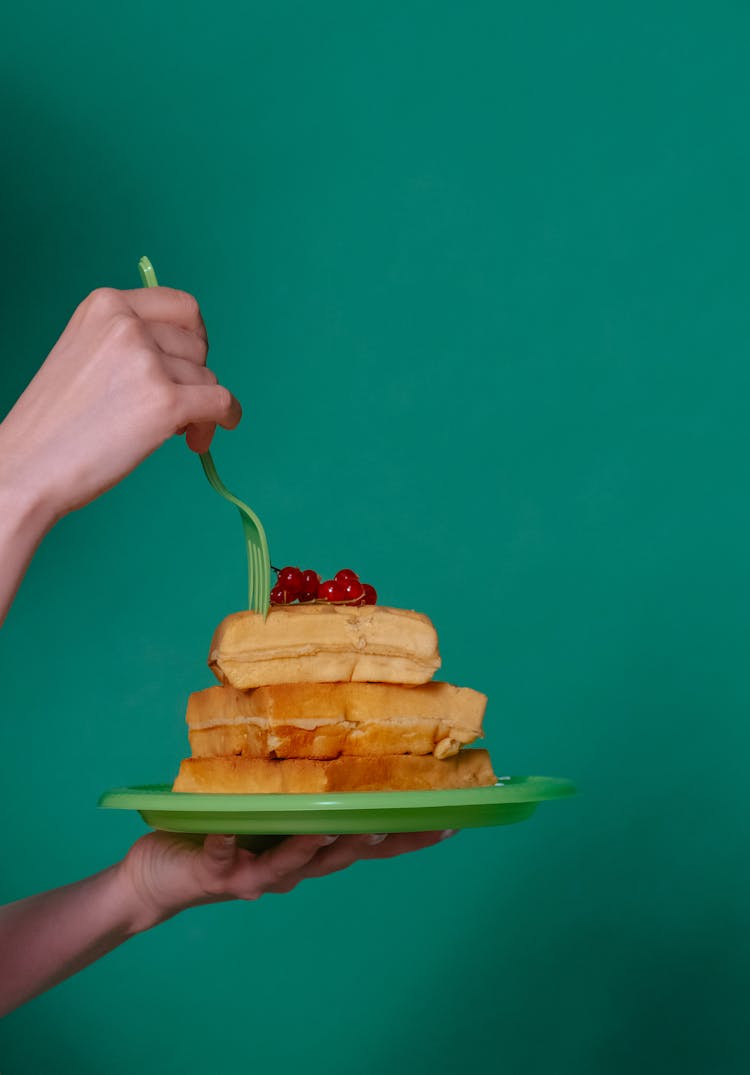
[323, 697]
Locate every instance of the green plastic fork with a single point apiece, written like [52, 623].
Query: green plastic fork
[258, 558]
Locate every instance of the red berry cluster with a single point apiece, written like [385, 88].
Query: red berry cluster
[305, 586]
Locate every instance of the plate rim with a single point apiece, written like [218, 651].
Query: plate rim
[160, 797]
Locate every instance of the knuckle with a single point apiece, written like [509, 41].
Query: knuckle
[201, 349]
[189, 304]
[126, 327]
[223, 399]
[276, 874]
[215, 888]
[188, 300]
[143, 362]
[103, 300]
[210, 377]
[160, 397]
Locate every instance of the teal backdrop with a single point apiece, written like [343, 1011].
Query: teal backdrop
[479, 275]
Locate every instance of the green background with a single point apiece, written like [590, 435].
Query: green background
[479, 275]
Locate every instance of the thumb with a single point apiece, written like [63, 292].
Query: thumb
[219, 852]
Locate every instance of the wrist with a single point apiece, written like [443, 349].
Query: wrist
[25, 510]
[26, 514]
[137, 912]
[33, 473]
[27, 499]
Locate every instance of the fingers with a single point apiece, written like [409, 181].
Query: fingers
[165, 304]
[401, 843]
[232, 872]
[351, 849]
[176, 326]
[215, 864]
[291, 857]
[219, 852]
[347, 850]
[173, 340]
[199, 436]
[183, 371]
[205, 403]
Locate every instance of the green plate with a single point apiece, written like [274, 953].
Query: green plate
[512, 799]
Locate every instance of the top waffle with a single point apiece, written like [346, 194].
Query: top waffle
[324, 643]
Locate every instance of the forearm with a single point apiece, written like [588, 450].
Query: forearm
[46, 938]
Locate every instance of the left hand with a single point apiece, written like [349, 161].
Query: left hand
[165, 873]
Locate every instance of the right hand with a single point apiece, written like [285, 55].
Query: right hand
[164, 873]
[127, 373]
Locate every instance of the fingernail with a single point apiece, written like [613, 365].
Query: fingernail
[329, 840]
[377, 838]
[228, 840]
[447, 833]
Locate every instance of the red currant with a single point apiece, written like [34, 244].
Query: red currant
[280, 596]
[354, 592]
[310, 582]
[309, 589]
[346, 576]
[371, 594]
[331, 591]
[290, 579]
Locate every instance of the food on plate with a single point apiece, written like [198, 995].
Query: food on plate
[303, 586]
[324, 643]
[324, 720]
[400, 772]
[330, 692]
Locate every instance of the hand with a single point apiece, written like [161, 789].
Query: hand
[127, 373]
[165, 874]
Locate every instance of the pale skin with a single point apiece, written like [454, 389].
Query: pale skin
[128, 373]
